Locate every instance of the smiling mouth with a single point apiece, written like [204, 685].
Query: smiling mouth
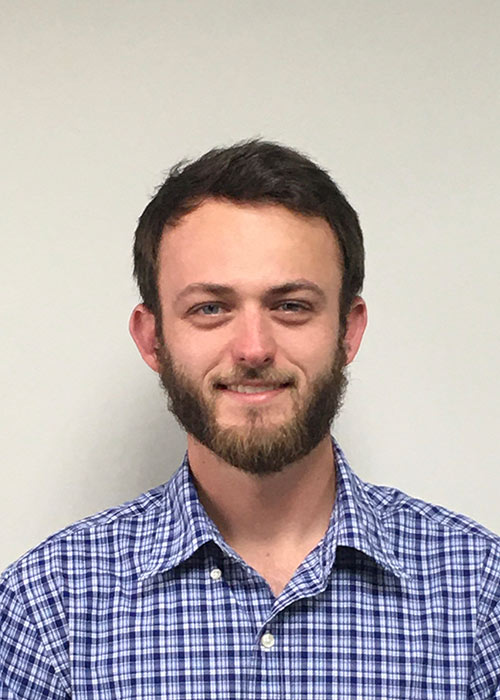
[253, 388]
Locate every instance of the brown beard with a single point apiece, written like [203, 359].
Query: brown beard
[258, 447]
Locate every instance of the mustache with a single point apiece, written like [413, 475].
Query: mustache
[266, 376]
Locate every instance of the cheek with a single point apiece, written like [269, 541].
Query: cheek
[310, 350]
[194, 356]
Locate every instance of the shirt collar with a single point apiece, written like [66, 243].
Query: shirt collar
[184, 525]
[357, 520]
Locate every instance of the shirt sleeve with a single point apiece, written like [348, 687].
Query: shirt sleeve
[26, 668]
[485, 679]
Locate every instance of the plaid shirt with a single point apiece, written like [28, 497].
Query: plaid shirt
[400, 599]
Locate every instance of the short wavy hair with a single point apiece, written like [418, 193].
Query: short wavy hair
[249, 172]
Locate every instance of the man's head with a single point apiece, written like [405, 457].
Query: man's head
[250, 301]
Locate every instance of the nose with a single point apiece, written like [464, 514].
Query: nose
[253, 343]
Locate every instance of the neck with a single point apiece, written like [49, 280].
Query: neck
[287, 510]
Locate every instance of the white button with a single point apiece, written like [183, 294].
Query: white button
[216, 574]
[267, 640]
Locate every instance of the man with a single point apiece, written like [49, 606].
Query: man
[265, 568]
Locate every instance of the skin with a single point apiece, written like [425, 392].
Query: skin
[273, 521]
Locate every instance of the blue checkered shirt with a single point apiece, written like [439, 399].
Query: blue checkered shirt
[400, 599]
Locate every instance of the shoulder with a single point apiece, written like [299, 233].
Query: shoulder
[77, 572]
[114, 541]
[435, 543]
[395, 506]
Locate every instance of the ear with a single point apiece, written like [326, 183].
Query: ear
[142, 327]
[357, 318]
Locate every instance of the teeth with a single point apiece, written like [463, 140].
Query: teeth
[246, 389]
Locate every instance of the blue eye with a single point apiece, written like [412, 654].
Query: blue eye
[209, 309]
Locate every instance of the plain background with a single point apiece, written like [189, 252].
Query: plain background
[399, 100]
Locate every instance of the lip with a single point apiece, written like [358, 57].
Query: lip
[261, 397]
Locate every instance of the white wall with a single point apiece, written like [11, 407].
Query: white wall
[398, 99]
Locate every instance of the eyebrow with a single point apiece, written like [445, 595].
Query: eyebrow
[222, 290]
[300, 285]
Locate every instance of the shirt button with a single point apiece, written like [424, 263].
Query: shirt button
[216, 574]
[267, 640]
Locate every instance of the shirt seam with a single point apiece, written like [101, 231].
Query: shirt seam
[47, 651]
[469, 529]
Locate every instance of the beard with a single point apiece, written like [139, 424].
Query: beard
[258, 447]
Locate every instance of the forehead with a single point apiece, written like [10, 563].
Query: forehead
[249, 246]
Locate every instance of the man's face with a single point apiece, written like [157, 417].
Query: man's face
[251, 356]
